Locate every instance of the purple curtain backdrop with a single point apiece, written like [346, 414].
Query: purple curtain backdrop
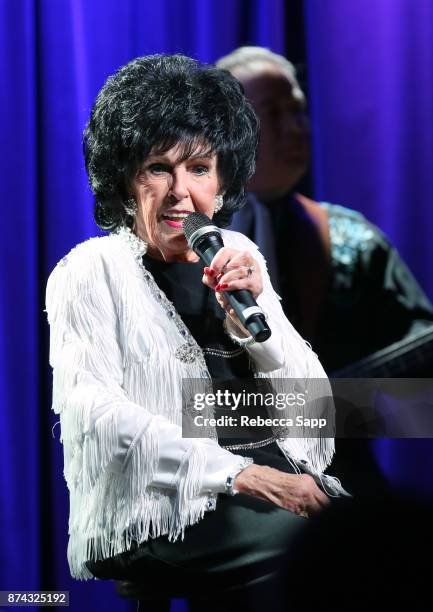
[370, 66]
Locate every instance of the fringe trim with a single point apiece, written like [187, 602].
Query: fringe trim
[125, 506]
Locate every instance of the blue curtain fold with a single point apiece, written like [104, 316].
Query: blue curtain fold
[20, 368]
[55, 56]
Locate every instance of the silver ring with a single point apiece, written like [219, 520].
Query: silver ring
[250, 270]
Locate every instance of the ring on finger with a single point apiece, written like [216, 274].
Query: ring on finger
[304, 513]
[250, 270]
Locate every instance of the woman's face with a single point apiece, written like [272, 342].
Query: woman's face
[166, 190]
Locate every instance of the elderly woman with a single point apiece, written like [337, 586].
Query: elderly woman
[134, 313]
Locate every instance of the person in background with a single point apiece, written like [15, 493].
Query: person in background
[342, 283]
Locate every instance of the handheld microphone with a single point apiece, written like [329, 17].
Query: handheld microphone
[205, 239]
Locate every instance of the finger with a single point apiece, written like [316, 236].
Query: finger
[321, 496]
[240, 258]
[207, 281]
[242, 264]
[209, 272]
[325, 501]
[322, 499]
[238, 273]
[253, 285]
[231, 258]
[222, 260]
[222, 301]
[208, 278]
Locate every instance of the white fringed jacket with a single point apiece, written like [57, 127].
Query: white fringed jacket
[119, 352]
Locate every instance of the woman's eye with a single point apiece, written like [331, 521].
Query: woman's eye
[200, 170]
[158, 168]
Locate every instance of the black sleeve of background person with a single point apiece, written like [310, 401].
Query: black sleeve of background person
[401, 307]
[370, 304]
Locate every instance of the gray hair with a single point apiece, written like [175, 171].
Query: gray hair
[251, 59]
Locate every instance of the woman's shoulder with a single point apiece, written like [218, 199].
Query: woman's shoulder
[96, 251]
[83, 256]
[91, 262]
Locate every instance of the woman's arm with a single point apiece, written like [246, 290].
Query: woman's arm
[284, 359]
[99, 421]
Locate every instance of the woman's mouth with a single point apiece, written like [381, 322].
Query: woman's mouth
[175, 219]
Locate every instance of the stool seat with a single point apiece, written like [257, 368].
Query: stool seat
[136, 590]
[151, 600]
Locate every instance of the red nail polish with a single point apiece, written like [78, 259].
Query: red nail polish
[218, 276]
[209, 271]
[217, 287]
[223, 286]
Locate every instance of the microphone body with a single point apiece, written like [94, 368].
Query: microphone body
[205, 239]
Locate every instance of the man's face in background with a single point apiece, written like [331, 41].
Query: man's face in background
[284, 152]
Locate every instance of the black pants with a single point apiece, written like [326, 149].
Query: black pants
[236, 553]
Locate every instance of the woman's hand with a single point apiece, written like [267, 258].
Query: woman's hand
[295, 492]
[232, 269]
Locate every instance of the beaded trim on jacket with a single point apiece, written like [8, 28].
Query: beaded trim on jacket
[188, 352]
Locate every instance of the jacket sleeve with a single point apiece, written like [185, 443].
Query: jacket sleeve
[288, 361]
[285, 353]
[102, 429]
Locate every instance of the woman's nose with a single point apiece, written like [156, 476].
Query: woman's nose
[179, 185]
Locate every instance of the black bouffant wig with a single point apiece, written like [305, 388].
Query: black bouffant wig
[154, 103]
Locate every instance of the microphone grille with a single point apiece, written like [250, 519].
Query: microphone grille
[194, 222]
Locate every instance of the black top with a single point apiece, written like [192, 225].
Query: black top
[201, 313]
